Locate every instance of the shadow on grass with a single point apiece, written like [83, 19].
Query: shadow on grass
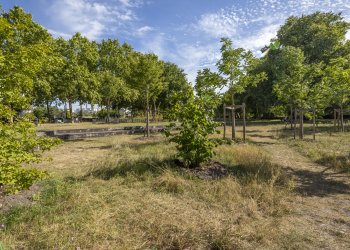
[317, 184]
[262, 136]
[341, 163]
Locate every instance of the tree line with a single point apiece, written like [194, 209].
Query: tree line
[38, 70]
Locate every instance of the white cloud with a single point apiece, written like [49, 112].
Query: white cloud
[195, 57]
[219, 24]
[261, 38]
[143, 30]
[91, 18]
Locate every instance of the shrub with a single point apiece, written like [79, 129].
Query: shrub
[20, 145]
[192, 139]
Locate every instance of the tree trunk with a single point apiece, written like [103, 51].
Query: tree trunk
[92, 108]
[81, 110]
[335, 120]
[291, 117]
[48, 110]
[342, 119]
[108, 116]
[147, 112]
[301, 130]
[66, 110]
[244, 122]
[314, 124]
[224, 121]
[233, 119]
[295, 122]
[71, 111]
[154, 111]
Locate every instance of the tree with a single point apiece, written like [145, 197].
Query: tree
[114, 89]
[197, 120]
[44, 88]
[337, 81]
[237, 66]
[208, 83]
[77, 81]
[148, 79]
[175, 87]
[319, 35]
[23, 49]
[114, 73]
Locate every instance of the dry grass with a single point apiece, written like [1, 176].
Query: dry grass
[125, 193]
[332, 150]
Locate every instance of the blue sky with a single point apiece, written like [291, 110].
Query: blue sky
[186, 32]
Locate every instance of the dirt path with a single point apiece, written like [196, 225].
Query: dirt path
[321, 209]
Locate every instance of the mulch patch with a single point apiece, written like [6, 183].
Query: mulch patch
[211, 170]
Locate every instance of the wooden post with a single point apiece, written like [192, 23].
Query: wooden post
[233, 119]
[295, 122]
[244, 122]
[224, 121]
[314, 124]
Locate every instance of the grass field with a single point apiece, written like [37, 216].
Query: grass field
[125, 192]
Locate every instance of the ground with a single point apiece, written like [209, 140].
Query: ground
[124, 192]
[322, 208]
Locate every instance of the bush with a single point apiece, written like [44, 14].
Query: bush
[192, 139]
[20, 145]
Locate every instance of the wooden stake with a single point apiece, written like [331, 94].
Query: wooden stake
[233, 120]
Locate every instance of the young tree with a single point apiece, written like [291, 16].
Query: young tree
[197, 120]
[237, 65]
[148, 79]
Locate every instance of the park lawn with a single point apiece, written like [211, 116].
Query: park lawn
[124, 192]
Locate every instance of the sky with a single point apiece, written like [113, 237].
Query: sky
[185, 32]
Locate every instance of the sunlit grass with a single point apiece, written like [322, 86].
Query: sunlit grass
[125, 192]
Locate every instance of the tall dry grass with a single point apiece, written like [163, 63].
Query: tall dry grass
[136, 198]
